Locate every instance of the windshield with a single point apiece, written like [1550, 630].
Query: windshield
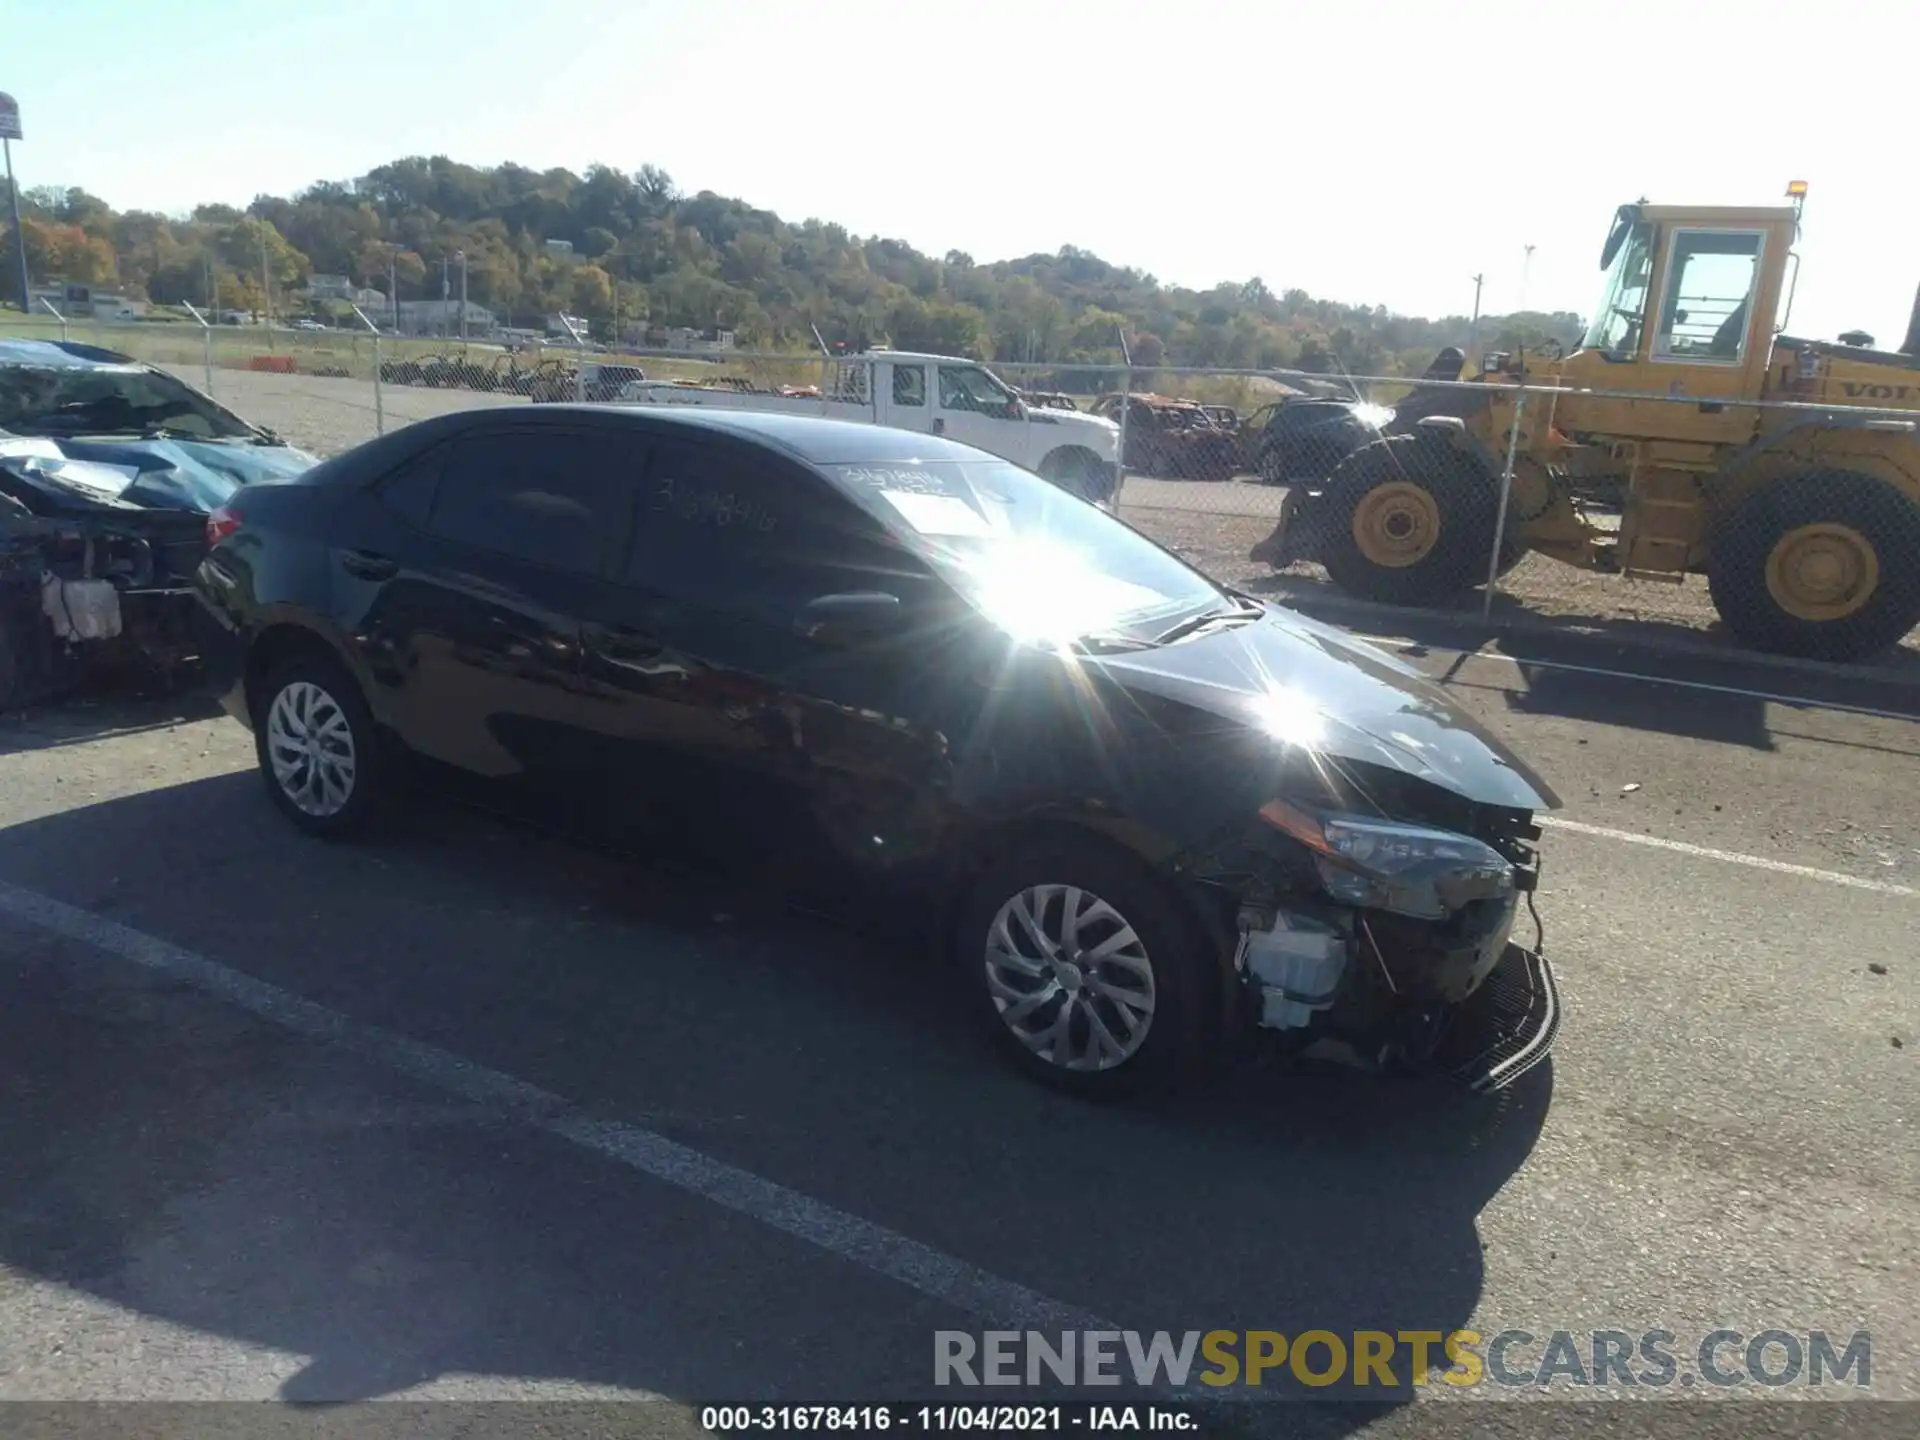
[1617, 324]
[69, 400]
[1044, 566]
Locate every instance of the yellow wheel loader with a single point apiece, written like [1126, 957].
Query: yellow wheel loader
[1804, 516]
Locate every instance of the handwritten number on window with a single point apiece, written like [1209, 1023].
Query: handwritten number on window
[703, 505]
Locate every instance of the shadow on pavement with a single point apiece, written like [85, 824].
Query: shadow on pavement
[1724, 719]
[77, 719]
[174, 1156]
[1579, 676]
[1514, 621]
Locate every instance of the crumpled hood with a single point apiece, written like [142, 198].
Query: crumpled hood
[160, 474]
[1298, 679]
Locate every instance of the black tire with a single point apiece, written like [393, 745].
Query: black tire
[13, 687]
[1463, 499]
[1271, 466]
[1744, 541]
[366, 795]
[1512, 550]
[1188, 975]
[1074, 471]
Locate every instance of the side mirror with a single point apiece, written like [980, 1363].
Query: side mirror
[849, 619]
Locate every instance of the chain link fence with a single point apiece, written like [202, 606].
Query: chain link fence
[1383, 489]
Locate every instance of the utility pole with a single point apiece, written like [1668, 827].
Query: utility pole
[1473, 327]
[463, 295]
[444, 293]
[1526, 269]
[393, 286]
[10, 132]
[266, 287]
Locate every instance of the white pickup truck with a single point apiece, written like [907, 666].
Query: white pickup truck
[935, 395]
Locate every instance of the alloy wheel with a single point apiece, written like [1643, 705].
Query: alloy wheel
[310, 745]
[1070, 977]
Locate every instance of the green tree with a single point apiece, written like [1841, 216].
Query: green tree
[250, 243]
[711, 261]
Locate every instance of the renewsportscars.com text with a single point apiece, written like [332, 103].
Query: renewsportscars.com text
[1391, 1359]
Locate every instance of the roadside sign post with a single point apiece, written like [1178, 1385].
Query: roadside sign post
[57, 314]
[10, 132]
[1500, 520]
[379, 400]
[206, 341]
[1126, 398]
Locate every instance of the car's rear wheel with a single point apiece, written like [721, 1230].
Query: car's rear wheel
[317, 747]
[1087, 973]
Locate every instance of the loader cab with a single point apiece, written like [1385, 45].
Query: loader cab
[1687, 308]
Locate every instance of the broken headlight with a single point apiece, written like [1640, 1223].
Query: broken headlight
[1392, 865]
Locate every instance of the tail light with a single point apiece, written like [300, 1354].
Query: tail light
[222, 523]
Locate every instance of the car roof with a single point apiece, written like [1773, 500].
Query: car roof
[63, 354]
[813, 439]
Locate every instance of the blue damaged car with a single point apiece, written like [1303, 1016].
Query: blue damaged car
[108, 470]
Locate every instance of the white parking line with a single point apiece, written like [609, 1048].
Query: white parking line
[1000, 1302]
[1732, 857]
[1798, 700]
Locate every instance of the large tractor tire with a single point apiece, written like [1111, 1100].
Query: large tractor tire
[1824, 565]
[1407, 520]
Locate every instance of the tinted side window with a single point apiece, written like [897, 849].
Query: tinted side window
[409, 490]
[549, 498]
[756, 537]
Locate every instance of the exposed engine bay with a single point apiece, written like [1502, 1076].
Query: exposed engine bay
[1381, 943]
[108, 469]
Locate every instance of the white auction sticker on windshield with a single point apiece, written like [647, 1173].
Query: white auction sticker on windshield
[939, 514]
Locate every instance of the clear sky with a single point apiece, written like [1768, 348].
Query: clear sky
[1379, 153]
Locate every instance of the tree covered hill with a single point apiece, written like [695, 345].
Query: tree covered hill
[644, 251]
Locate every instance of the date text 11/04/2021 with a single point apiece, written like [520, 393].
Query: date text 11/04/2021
[936, 1419]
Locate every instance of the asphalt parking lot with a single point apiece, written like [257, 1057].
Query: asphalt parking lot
[470, 1112]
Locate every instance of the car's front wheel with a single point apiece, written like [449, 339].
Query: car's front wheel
[317, 748]
[1086, 971]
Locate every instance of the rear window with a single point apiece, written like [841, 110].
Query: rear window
[409, 490]
[549, 498]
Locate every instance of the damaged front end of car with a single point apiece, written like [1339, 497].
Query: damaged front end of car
[85, 589]
[108, 471]
[1389, 943]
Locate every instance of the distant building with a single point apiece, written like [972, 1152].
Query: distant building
[681, 337]
[442, 317]
[330, 287]
[561, 249]
[557, 325]
[84, 302]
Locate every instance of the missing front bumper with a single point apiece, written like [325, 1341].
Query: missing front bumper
[1505, 1028]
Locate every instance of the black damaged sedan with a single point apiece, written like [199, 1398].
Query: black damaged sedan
[1142, 811]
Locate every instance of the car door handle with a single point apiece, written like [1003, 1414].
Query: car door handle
[367, 565]
[621, 642]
